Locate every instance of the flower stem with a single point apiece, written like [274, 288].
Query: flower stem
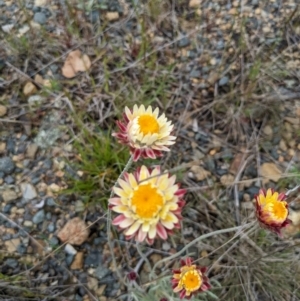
[204, 236]
[108, 224]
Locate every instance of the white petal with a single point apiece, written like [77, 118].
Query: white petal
[155, 113]
[128, 113]
[172, 180]
[120, 192]
[126, 223]
[152, 232]
[170, 218]
[120, 209]
[134, 227]
[144, 173]
[132, 181]
[169, 194]
[126, 187]
[145, 227]
[163, 182]
[149, 110]
[168, 225]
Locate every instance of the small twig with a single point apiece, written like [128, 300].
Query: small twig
[204, 236]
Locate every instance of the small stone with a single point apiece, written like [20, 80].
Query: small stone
[223, 81]
[195, 74]
[50, 202]
[102, 272]
[200, 173]
[9, 195]
[268, 131]
[40, 2]
[194, 3]
[46, 138]
[9, 180]
[31, 150]
[35, 25]
[29, 89]
[11, 245]
[112, 16]
[282, 145]
[246, 197]
[69, 249]
[184, 42]
[92, 284]
[39, 217]
[227, 180]
[69, 259]
[77, 263]
[35, 100]
[54, 187]
[22, 30]
[3, 110]
[7, 165]
[79, 206]
[40, 18]
[166, 246]
[2, 147]
[11, 262]
[74, 232]
[213, 61]
[20, 211]
[28, 191]
[28, 224]
[51, 227]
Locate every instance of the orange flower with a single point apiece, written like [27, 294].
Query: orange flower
[146, 134]
[272, 210]
[189, 279]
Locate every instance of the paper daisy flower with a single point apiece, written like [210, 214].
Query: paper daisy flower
[272, 210]
[149, 203]
[189, 279]
[146, 134]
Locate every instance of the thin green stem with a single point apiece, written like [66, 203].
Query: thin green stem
[108, 224]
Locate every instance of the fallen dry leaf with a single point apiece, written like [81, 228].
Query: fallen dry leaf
[74, 63]
[75, 232]
[270, 171]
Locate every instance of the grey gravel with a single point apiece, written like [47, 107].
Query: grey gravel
[223, 81]
[28, 191]
[9, 180]
[47, 138]
[11, 262]
[7, 165]
[184, 42]
[38, 217]
[101, 272]
[51, 227]
[40, 18]
[50, 202]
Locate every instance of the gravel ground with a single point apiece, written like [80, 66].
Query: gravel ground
[213, 46]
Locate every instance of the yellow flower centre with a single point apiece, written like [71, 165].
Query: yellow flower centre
[191, 280]
[277, 210]
[147, 201]
[148, 124]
